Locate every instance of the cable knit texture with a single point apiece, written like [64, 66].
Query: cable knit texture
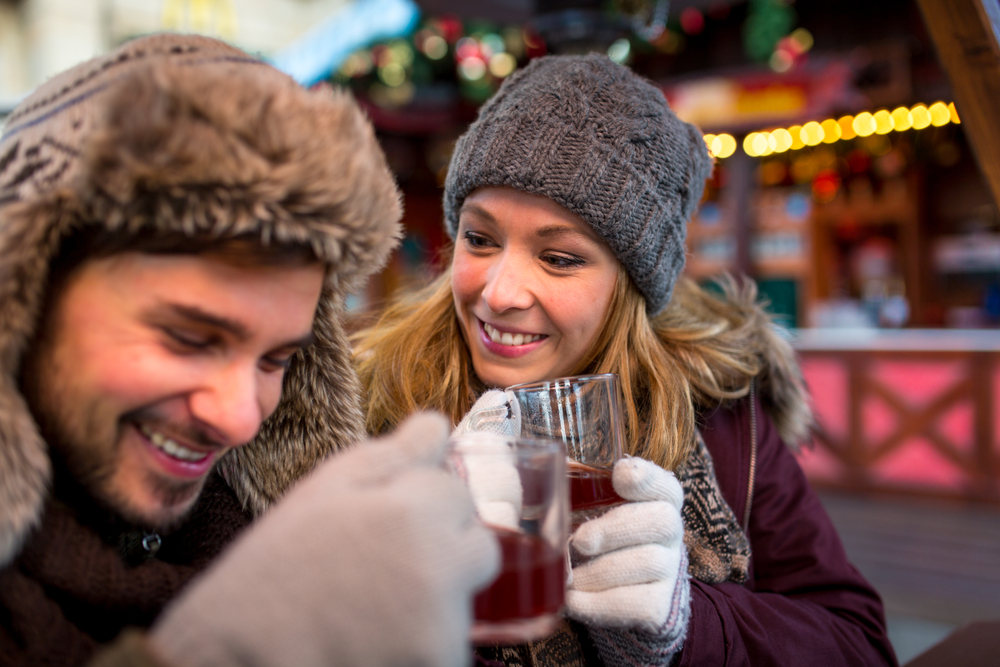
[72, 588]
[638, 648]
[600, 141]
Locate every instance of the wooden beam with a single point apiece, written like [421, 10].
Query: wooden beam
[965, 34]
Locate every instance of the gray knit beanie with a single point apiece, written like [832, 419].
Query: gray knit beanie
[600, 141]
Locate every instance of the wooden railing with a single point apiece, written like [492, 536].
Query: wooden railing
[898, 418]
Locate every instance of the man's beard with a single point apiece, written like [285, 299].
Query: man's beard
[86, 440]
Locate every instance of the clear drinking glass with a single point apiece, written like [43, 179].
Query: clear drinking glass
[519, 488]
[584, 412]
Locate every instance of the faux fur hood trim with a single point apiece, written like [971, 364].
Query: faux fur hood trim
[782, 388]
[185, 133]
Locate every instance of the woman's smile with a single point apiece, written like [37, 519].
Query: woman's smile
[532, 283]
[507, 344]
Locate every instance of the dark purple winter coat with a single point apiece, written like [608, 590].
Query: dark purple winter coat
[803, 603]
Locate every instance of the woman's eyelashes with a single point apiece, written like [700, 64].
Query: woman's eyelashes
[563, 261]
[476, 240]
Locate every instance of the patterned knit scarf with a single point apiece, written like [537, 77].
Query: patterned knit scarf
[718, 550]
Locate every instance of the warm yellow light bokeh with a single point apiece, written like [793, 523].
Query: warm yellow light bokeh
[728, 145]
[796, 132]
[782, 140]
[502, 64]
[772, 143]
[758, 143]
[846, 124]
[723, 146]
[762, 143]
[921, 116]
[811, 133]
[883, 121]
[864, 124]
[902, 119]
[939, 114]
[954, 113]
[831, 131]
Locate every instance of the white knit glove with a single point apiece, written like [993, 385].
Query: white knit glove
[372, 561]
[491, 472]
[494, 412]
[636, 575]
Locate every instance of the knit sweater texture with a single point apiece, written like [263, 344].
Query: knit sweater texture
[83, 577]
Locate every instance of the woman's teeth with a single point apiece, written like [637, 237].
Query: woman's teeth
[509, 338]
[170, 447]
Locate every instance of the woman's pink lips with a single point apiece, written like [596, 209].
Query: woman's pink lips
[176, 467]
[509, 351]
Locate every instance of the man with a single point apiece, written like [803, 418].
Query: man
[179, 226]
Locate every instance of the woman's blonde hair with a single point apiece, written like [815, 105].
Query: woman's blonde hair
[700, 351]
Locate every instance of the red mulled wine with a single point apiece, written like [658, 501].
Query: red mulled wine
[590, 488]
[531, 583]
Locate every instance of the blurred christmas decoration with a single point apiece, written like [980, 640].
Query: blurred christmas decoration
[445, 65]
[325, 48]
[207, 17]
[768, 35]
[648, 19]
[442, 60]
[767, 22]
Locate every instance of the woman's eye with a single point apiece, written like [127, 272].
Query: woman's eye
[477, 240]
[563, 261]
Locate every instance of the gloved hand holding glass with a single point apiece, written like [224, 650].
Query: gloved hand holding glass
[518, 487]
[629, 564]
[583, 412]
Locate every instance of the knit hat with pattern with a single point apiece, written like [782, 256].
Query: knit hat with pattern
[600, 141]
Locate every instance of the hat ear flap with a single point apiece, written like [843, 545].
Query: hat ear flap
[27, 242]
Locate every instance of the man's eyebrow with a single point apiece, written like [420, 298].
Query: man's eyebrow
[300, 343]
[233, 327]
[196, 314]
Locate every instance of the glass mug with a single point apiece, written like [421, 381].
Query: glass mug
[584, 413]
[519, 488]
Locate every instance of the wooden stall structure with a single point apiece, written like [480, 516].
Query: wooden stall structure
[910, 411]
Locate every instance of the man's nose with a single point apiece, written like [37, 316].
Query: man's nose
[508, 284]
[229, 403]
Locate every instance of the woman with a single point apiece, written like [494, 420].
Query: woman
[567, 200]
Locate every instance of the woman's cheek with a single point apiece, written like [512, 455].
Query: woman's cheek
[464, 279]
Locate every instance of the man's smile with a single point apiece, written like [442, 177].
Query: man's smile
[171, 447]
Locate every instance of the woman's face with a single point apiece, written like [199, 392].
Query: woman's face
[532, 283]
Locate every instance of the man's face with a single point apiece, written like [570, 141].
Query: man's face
[151, 367]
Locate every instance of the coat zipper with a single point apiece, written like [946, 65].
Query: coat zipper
[753, 457]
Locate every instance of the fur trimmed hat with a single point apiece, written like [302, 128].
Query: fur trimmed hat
[186, 134]
[600, 141]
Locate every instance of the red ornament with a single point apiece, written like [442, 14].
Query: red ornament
[692, 21]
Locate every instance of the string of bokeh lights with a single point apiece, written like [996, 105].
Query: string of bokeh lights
[814, 133]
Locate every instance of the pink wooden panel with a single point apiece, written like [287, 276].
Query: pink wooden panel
[939, 456]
